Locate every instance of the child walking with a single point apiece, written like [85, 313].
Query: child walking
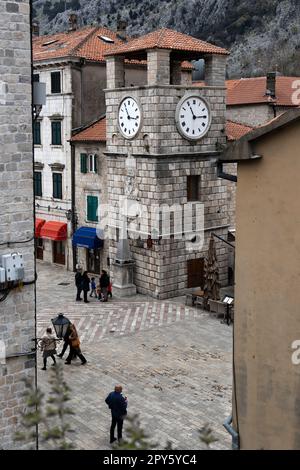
[93, 287]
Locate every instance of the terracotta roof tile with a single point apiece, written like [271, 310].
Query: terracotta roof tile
[253, 91]
[236, 130]
[85, 43]
[166, 39]
[96, 132]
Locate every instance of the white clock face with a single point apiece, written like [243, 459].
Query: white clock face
[193, 117]
[129, 117]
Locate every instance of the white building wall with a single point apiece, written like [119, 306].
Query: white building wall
[59, 104]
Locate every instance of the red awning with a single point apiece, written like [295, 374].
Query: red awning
[38, 225]
[54, 231]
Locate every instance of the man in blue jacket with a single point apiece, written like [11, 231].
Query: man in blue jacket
[118, 406]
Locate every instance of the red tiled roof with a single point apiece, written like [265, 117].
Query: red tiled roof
[253, 91]
[166, 39]
[84, 42]
[235, 130]
[96, 132]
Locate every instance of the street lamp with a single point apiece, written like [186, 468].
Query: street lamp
[60, 324]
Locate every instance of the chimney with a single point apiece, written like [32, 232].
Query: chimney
[72, 22]
[271, 84]
[35, 28]
[121, 29]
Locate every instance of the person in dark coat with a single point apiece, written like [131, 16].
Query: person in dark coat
[85, 285]
[104, 284]
[78, 283]
[66, 342]
[75, 349]
[118, 407]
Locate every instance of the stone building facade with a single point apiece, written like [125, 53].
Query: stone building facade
[90, 196]
[155, 167]
[17, 311]
[72, 65]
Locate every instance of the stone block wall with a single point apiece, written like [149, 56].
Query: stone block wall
[161, 271]
[17, 324]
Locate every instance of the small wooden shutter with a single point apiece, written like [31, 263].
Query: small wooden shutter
[83, 163]
[37, 133]
[55, 82]
[96, 163]
[92, 208]
[38, 183]
[57, 185]
[56, 132]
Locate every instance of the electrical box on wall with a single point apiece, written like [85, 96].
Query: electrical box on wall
[13, 266]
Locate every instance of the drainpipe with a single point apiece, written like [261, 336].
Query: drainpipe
[73, 205]
[233, 433]
[222, 174]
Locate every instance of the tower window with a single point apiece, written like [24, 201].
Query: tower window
[193, 188]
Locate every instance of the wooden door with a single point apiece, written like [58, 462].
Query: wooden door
[93, 261]
[195, 269]
[59, 253]
[39, 249]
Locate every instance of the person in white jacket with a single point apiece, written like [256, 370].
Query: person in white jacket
[48, 347]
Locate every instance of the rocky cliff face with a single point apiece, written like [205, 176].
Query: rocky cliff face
[262, 35]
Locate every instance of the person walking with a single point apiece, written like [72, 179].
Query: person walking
[48, 347]
[109, 290]
[93, 287]
[74, 346]
[117, 404]
[78, 282]
[85, 285]
[104, 283]
[66, 342]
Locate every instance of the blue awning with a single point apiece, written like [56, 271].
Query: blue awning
[86, 237]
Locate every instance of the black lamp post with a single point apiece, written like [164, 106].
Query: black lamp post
[60, 324]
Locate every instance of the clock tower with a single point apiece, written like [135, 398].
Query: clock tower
[163, 142]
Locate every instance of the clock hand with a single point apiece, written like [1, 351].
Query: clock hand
[127, 111]
[197, 117]
[194, 117]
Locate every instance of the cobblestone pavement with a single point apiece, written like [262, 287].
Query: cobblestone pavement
[173, 361]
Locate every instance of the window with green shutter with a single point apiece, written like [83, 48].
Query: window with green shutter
[56, 132]
[37, 183]
[37, 133]
[83, 163]
[55, 82]
[57, 185]
[92, 208]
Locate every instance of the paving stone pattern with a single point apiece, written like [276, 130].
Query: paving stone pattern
[173, 361]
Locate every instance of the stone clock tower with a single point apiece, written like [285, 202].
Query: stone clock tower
[163, 141]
